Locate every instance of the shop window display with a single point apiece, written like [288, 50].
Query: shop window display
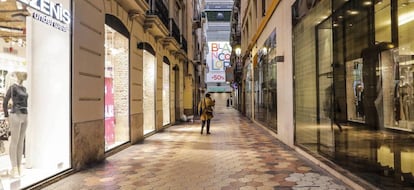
[166, 94]
[398, 90]
[116, 88]
[265, 85]
[355, 90]
[365, 75]
[149, 92]
[248, 88]
[31, 64]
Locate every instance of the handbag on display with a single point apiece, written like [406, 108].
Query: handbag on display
[4, 130]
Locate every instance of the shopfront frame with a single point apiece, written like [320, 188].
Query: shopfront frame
[325, 139]
[37, 23]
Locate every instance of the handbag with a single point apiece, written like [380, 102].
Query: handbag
[4, 130]
[4, 127]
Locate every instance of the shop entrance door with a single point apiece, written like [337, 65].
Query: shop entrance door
[177, 93]
[325, 88]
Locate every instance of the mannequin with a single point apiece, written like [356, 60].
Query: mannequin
[17, 120]
[403, 93]
[359, 100]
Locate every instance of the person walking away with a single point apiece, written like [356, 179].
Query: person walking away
[205, 108]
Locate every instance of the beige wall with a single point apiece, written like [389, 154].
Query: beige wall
[88, 76]
[281, 21]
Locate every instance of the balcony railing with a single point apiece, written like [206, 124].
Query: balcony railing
[174, 30]
[161, 11]
[183, 43]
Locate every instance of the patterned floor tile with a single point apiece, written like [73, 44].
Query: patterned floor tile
[237, 155]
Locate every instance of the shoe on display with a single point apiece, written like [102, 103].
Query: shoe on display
[14, 173]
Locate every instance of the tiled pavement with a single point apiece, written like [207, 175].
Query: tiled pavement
[237, 155]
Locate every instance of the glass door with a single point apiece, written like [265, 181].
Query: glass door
[325, 88]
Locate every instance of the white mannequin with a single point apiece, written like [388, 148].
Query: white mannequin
[404, 94]
[17, 121]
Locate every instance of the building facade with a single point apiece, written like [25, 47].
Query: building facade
[114, 72]
[340, 71]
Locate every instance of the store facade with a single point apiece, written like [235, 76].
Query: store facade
[353, 80]
[81, 84]
[120, 102]
[35, 73]
[265, 84]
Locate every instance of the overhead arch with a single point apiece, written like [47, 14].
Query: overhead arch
[116, 24]
[166, 60]
[146, 46]
[176, 68]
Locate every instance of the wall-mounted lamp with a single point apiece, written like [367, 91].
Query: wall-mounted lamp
[238, 51]
[264, 50]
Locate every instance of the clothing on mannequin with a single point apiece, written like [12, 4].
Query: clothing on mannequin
[404, 92]
[359, 97]
[17, 121]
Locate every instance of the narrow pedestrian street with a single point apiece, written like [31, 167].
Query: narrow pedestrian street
[237, 155]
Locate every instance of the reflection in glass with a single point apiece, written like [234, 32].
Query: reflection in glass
[248, 89]
[383, 21]
[356, 63]
[265, 84]
[116, 88]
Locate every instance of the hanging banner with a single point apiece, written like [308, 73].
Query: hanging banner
[218, 58]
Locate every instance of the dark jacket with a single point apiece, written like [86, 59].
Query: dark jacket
[19, 97]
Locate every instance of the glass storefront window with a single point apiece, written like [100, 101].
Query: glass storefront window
[354, 88]
[166, 94]
[265, 84]
[259, 105]
[405, 61]
[248, 89]
[116, 88]
[149, 92]
[398, 74]
[383, 21]
[35, 72]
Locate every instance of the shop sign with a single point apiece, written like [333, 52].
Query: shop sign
[219, 55]
[216, 76]
[53, 13]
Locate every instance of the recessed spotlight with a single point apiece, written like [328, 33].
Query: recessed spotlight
[367, 3]
[352, 12]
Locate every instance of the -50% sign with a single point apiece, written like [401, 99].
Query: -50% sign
[217, 77]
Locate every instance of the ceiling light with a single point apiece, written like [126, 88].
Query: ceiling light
[367, 3]
[352, 12]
